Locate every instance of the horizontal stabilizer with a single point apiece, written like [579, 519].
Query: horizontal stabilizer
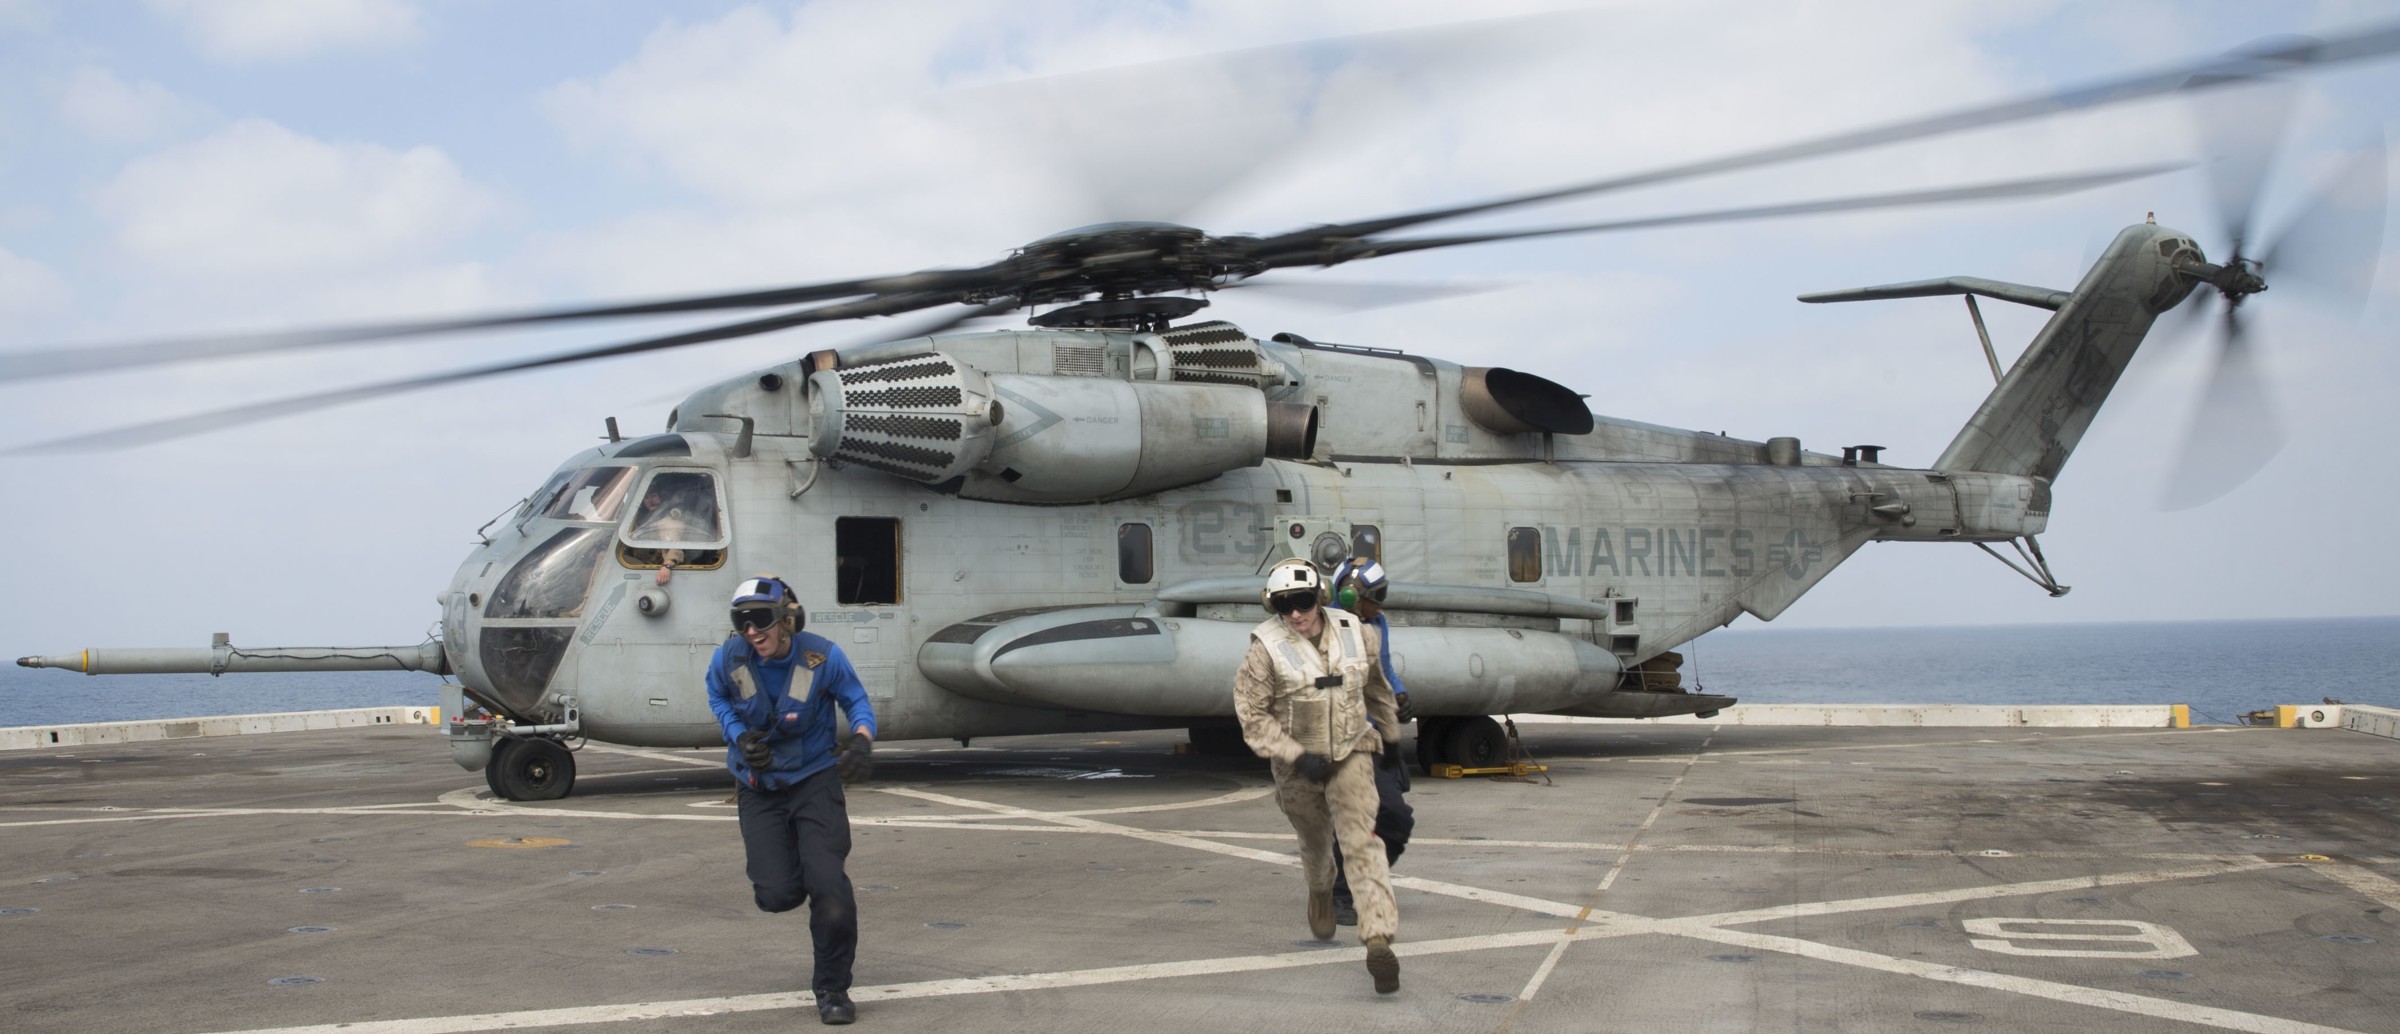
[2038, 297]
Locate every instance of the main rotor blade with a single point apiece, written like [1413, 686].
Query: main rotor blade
[1229, 117]
[2334, 243]
[178, 427]
[2234, 432]
[1359, 296]
[2194, 76]
[2047, 186]
[62, 361]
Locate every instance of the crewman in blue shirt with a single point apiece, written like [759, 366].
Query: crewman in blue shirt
[773, 688]
[1359, 586]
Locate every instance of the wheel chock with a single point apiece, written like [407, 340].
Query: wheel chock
[1519, 769]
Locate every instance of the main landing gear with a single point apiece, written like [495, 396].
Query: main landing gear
[530, 768]
[1473, 742]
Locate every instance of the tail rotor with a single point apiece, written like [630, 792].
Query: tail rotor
[2328, 251]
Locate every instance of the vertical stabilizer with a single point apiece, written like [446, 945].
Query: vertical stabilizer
[2034, 418]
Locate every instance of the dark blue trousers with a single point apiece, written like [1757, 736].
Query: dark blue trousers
[1394, 821]
[797, 839]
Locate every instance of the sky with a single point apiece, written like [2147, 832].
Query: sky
[173, 167]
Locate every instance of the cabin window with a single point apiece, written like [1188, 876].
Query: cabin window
[1133, 554]
[866, 560]
[1524, 554]
[1366, 540]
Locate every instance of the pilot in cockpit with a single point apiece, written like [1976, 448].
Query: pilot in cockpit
[662, 520]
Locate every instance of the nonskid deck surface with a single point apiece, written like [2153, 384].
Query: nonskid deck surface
[1671, 878]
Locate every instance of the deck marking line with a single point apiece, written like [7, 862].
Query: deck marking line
[1235, 797]
[2075, 735]
[1799, 909]
[577, 1015]
[1494, 897]
[223, 813]
[1541, 973]
[2073, 994]
[1836, 852]
[2384, 889]
[680, 759]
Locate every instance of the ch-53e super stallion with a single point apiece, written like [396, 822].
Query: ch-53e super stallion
[1064, 527]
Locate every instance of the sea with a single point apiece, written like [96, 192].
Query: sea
[2220, 669]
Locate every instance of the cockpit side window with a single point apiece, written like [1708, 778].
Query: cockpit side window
[591, 494]
[678, 520]
[678, 508]
[547, 495]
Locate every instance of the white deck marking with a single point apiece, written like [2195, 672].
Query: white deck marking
[1236, 797]
[2383, 889]
[1589, 922]
[221, 813]
[1799, 909]
[1541, 973]
[898, 992]
[2073, 994]
[680, 759]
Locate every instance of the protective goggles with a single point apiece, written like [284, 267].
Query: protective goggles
[1297, 602]
[756, 617]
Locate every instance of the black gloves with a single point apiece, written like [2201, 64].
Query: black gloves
[755, 752]
[1315, 768]
[857, 760]
[1389, 759]
[1408, 711]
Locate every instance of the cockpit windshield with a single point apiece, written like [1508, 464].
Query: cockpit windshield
[590, 494]
[678, 508]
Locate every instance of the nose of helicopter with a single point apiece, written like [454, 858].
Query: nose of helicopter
[512, 612]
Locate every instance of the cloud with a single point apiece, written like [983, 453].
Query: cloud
[256, 198]
[239, 31]
[25, 14]
[27, 286]
[105, 108]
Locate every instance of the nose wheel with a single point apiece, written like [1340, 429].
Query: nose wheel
[533, 768]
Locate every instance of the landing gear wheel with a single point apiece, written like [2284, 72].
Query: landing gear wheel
[1430, 733]
[1223, 741]
[501, 749]
[1476, 742]
[532, 770]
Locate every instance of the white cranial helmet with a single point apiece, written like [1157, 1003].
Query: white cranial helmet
[1291, 575]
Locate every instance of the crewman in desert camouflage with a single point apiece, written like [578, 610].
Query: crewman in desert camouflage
[1305, 693]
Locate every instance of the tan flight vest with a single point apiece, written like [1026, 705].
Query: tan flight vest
[1324, 721]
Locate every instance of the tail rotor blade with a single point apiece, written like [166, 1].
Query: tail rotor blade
[2332, 246]
[2234, 433]
[2243, 128]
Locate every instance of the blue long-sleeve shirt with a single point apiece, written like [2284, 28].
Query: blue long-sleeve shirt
[1391, 677]
[801, 727]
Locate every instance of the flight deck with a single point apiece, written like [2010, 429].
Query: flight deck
[1680, 877]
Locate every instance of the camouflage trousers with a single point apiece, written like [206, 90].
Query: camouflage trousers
[1344, 809]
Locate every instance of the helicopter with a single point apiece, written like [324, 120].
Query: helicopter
[1064, 527]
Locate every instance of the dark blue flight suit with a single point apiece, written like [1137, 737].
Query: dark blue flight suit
[795, 821]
